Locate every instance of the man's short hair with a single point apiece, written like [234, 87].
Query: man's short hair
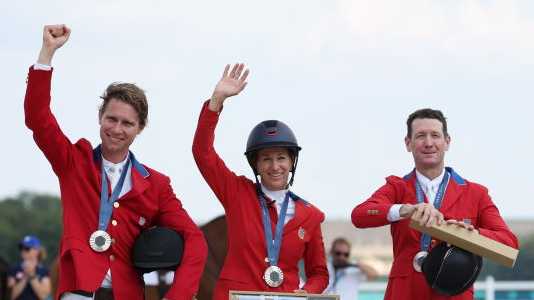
[427, 113]
[128, 93]
[340, 240]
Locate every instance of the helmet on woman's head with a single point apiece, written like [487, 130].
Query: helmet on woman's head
[271, 134]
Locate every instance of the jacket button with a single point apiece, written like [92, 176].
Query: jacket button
[116, 204]
[112, 257]
[114, 222]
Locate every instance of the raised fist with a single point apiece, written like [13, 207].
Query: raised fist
[55, 36]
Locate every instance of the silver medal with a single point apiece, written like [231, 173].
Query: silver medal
[100, 241]
[418, 260]
[273, 276]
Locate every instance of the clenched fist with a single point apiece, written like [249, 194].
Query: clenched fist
[54, 36]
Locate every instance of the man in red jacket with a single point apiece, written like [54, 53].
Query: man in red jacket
[433, 193]
[107, 196]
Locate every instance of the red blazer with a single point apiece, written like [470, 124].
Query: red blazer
[151, 198]
[245, 262]
[463, 200]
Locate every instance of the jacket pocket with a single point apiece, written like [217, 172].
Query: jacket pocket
[70, 244]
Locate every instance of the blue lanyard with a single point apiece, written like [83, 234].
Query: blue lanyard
[106, 203]
[273, 245]
[425, 238]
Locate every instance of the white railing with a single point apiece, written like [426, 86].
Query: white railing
[489, 286]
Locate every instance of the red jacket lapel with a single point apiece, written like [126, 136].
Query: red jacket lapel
[301, 215]
[455, 188]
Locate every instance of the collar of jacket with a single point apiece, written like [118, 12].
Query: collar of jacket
[455, 176]
[97, 156]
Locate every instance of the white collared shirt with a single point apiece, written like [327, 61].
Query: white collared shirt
[114, 172]
[278, 197]
[430, 188]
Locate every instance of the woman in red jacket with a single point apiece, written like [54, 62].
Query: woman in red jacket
[269, 228]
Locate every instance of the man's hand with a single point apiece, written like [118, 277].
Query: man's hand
[54, 36]
[231, 83]
[424, 213]
[462, 224]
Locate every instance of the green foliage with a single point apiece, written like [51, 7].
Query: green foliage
[29, 213]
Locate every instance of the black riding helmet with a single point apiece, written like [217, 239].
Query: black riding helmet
[269, 134]
[157, 248]
[451, 270]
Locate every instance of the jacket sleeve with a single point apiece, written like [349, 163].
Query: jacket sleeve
[315, 263]
[491, 224]
[39, 119]
[373, 212]
[188, 274]
[220, 179]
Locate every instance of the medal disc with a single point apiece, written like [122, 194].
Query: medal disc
[418, 260]
[100, 241]
[273, 276]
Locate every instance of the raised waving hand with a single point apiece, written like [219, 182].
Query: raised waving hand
[232, 83]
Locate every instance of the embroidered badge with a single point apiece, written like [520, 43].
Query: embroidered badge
[142, 221]
[301, 232]
[373, 212]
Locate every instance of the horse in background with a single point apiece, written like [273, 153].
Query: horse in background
[215, 233]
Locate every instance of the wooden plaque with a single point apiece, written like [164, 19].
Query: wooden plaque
[248, 295]
[470, 241]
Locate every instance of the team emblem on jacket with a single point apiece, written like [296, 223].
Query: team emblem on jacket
[301, 232]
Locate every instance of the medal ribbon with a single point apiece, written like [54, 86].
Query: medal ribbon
[273, 245]
[106, 203]
[425, 238]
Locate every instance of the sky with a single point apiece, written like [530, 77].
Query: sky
[343, 74]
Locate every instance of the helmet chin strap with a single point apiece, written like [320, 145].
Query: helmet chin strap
[258, 185]
[293, 171]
